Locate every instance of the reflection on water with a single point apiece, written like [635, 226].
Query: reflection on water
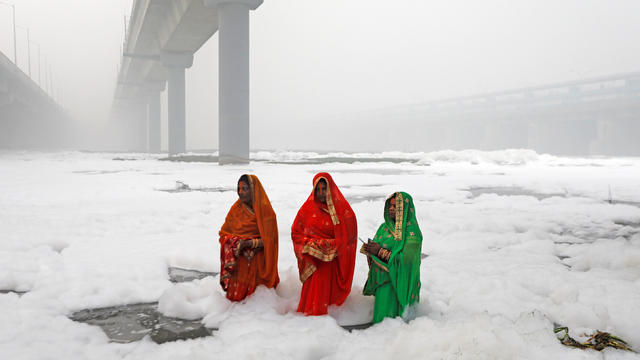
[177, 274]
[128, 323]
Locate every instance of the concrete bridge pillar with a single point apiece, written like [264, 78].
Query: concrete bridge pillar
[153, 122]
[153, 117]
[233, 122]
[176, 63]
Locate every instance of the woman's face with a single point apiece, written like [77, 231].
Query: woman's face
[391, 211]
[244, 193]
[321, 192]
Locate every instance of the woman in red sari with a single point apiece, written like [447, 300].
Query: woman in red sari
[324, 237]
[249, 242]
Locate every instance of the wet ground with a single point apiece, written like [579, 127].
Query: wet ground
[132, 322]
[128, 323]
[177, 274]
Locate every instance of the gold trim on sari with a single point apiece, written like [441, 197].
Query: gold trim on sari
[307, 272]
[397, 235]
[314, 251]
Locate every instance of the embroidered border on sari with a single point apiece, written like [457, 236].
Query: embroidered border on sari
[307, 272]
[318, 253]
[397, 236]
[379, 263]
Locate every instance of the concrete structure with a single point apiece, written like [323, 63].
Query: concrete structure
[162, 39]
[29, 117]
[598, 116]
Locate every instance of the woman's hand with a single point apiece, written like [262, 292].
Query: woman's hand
[371, 247]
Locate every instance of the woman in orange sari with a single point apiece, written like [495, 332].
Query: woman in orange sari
[324, 240]
[249, 242]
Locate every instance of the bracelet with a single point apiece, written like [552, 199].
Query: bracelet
[384, 254]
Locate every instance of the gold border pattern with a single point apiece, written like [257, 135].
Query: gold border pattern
[397, 235]
[307, 272]
[317, 253]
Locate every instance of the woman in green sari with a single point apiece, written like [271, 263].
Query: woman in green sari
[394, 260]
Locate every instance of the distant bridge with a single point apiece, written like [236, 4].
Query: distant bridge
[599, 116]
[591, 116]
[161, 40]
[29, 117]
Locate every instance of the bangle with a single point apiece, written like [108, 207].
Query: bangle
[384, 254]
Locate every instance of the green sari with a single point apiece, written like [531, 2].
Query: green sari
[396, 283]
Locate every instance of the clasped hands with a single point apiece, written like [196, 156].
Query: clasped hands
[245, 244]
[371, 247]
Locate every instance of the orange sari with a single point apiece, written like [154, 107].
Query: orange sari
[241, 273]
[324, 240]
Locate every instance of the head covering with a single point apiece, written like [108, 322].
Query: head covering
[345, 232]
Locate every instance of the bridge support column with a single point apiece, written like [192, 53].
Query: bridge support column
[233, 93]
[153, 116]
[153, 122]
[140, 118]
[176, 64]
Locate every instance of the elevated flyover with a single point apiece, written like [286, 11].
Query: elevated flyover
[29, 117]
[162, 38]
[597, 116]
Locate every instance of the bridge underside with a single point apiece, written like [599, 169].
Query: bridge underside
[163, 37]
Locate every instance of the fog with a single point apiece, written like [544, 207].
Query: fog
[319, 68]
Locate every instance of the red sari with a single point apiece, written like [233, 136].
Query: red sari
[240, 273]
[324, 240]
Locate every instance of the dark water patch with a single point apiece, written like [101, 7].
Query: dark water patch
[191, 158]
[343, 160]
[350, 328]
[562, 259]
[177, 275]
[378, 171]
[510, 191]
[11, 291]
[128, 323]
[98, 172]
[588, 236]
[181, 187]
[125, 159]
[627, 223]
[623, 202]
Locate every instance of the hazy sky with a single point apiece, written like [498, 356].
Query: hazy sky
[313, 60]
